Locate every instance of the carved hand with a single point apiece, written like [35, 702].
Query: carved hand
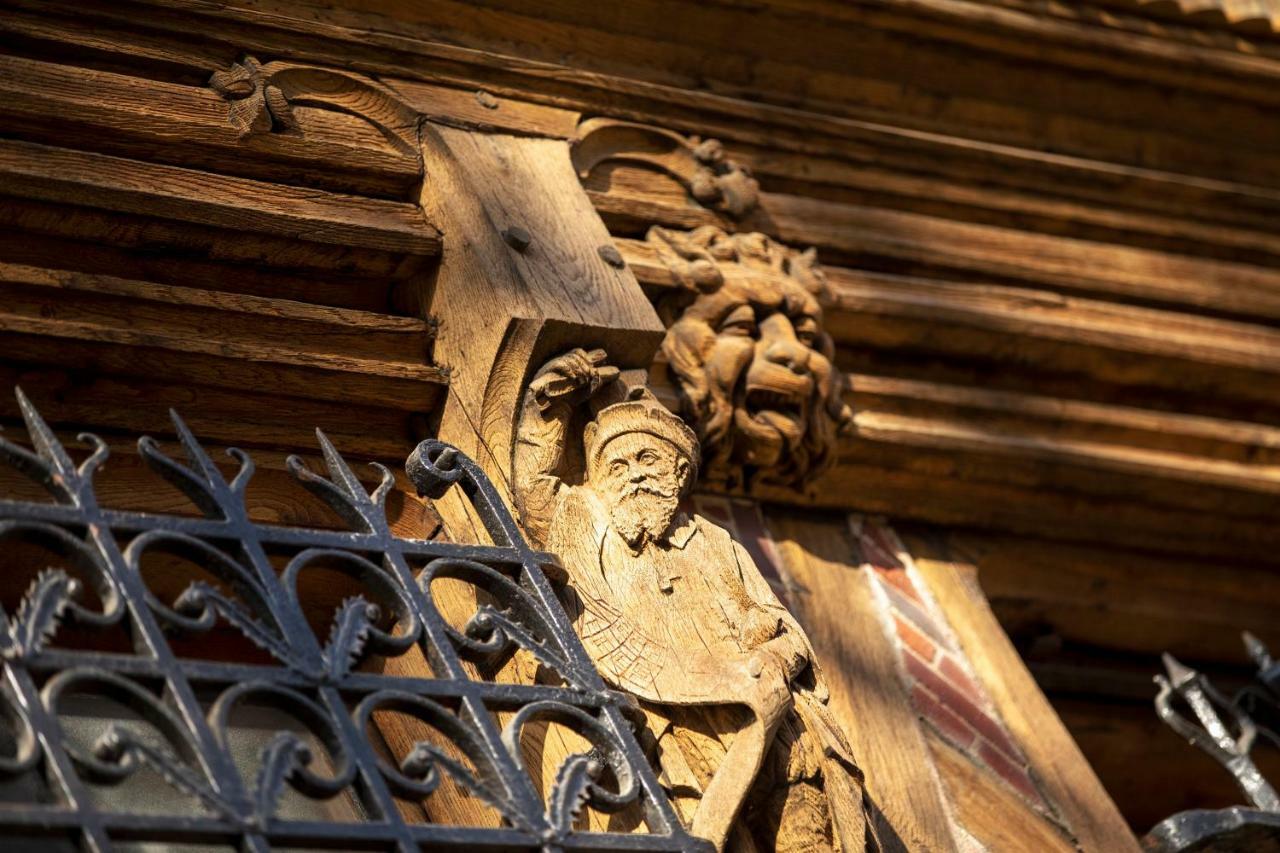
[768, 691]
[571, 377]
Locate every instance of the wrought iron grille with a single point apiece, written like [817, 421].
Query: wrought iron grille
[1228, 730]
[331, 750]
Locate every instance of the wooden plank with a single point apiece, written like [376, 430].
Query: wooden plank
[990, 812]
[329, 289]
[188, 126]
[481, 110]
[909, 486]
[1028, 190]
[1238, 441]
[231, 319]
[242, 416]
[1065, 775]
[364, 39]
[163, 237]
[120, 352]
[84, 307]
[933, 246]
[1113, 599]
[834, 602]
[132, 186]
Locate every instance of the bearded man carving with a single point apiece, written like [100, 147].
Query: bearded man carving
[675, 613]
[747, 352]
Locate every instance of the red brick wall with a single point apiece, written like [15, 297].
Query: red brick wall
[943, 689]
[933, 665]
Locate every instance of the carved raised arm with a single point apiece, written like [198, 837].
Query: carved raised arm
[541, 436]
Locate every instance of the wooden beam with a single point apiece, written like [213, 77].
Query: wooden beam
[110, 113]
[1112, 599]
[101, 323]
[1064, 773]
[833, 600]
[61, 175]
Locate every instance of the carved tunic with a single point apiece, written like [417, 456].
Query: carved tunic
[678, 660]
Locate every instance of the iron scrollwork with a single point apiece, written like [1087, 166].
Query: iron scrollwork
[1228, 729]
[181, 709]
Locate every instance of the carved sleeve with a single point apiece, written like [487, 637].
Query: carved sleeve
[787, 639]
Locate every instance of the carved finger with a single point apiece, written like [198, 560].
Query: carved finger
[596, 356]
[605, 375]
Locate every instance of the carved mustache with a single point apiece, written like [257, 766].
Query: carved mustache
[645, 487]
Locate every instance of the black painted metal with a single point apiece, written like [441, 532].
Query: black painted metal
[188, 704]
[1228, 730]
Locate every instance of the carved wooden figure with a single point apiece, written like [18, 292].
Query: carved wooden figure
[675, 612]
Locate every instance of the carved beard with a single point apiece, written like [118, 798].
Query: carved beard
[642, 512]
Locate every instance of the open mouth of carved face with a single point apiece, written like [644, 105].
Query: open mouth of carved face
[774, 418]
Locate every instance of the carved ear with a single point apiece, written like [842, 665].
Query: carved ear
[685, 469]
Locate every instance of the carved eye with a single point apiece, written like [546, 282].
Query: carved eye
[648, 457]
[807, 331]
[617, 467]
[741, 322]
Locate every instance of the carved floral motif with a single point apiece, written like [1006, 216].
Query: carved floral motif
[262, 98]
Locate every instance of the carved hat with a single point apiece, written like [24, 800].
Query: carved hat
[645, 415]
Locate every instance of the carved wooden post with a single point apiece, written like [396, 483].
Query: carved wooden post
[528, 268]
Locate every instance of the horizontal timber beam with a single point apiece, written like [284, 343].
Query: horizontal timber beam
[49, 174]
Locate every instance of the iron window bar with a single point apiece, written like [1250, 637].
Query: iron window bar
[1228, 730]
[315, 682]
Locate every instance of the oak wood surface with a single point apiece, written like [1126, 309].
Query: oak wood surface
[133, 186]
[833, 600]
[131, 116]
[1063, 772]
[988, 811]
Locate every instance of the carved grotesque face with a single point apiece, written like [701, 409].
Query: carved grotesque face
[754, 367]
[641, 477]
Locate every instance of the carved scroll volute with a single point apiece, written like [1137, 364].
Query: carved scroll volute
[700, 165]
[262, 98]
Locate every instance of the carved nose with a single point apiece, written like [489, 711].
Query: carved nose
[789, 354]
[781, 345]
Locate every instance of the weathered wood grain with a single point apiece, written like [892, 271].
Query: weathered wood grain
[1063, 772]
[1120, 601]
[833, 600]
[990, 812]
[133, 186]
[187, 126]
